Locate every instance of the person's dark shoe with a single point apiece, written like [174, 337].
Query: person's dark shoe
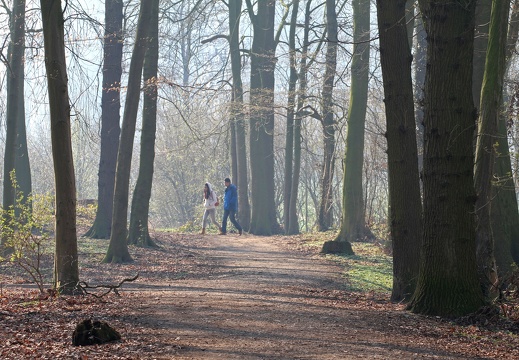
[222, 233]
[240, 231]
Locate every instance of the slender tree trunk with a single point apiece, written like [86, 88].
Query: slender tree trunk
[448, 284]
[15, 79]
[291, 102]
[404, 187]
[324, 220]
[139, 233]
[301, 97]
[491, 100]
[118, 249]
[22, 164]
[263, 217]
[238, 117]
[110, 128]
[353, 226]
[66, 270]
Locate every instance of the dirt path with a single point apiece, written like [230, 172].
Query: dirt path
[262, 301]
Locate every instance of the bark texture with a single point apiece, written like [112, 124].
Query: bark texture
[448, 284]
[66, 271]
[404, 187]
[110, 128]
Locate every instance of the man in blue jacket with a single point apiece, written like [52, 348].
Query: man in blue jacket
[230, 206]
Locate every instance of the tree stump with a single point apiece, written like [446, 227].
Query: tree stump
[90, 332]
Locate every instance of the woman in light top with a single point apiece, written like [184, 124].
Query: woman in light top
[210, 204]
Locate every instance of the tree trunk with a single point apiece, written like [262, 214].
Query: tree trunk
[238, 117]
[66, 271]
[291, 102]
[448, 284]
[263, 218]
[21, 163]
[15, 79]
[404, 187]
[110, 128]
[491, 100]
[139, 232]
[118, 249]
[353, 226]
[324, 220]
[301, 97]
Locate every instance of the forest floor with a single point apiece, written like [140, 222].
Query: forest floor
[234, 297]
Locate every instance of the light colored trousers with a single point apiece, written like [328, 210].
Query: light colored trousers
[209, 213]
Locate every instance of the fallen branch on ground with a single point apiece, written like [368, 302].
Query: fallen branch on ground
[83, 286]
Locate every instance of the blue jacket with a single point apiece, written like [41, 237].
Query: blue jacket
[230, 201]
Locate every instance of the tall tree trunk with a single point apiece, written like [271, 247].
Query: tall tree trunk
[66, 270]
[301, 97]
[353, 226]
[22, 164]
[15, 79]
[139, 233]
[404, 187]
[324, 220]
[263, 217]
[291, 102]
[448, 284]
[118, 249]
[491, 100]
[110, 128]
[238, 117]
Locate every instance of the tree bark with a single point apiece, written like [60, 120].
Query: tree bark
[118, 249]
[324, 220]
[139, 232]
[110, 128]
[66, 270]
[448, 284]
[291, 103]
[483, 10]
[15, 96]
[238, 117]
[404, 187]
[263, 217]
[491, 100]
[353, 226]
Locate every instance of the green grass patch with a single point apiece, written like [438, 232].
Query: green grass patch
[370, 269]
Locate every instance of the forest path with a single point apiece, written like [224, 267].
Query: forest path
[263, 301]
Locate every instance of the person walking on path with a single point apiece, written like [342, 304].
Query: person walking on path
[210, 204]
[230, 206]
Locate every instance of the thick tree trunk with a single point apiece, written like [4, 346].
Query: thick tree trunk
[448, 284]
[353, 226]
[324, 220]
[66, 270]
[139, 233]
[238, 117]
[118, 249]
[110, 128]
[263, 218]
[404, 187]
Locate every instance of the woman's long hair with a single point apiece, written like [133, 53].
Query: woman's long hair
[207, 191]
